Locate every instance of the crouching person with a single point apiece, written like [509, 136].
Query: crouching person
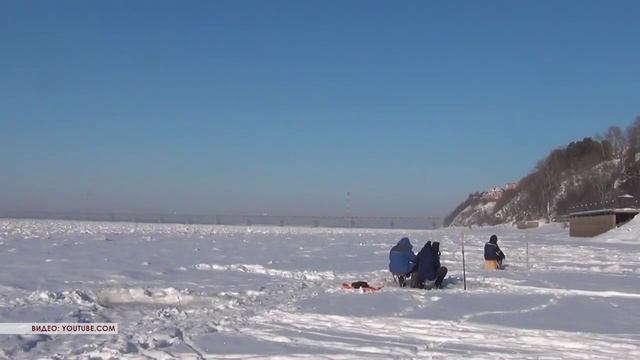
[401, 261]
[493, 256]
[428, 273]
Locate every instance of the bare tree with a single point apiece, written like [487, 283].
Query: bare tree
[633, 136]
[548, 184]
[618, 141]
[603, 178]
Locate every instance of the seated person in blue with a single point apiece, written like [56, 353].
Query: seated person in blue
[428, 273]
[401, 260]
[493, 256]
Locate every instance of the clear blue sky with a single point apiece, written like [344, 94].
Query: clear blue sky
[284, 106]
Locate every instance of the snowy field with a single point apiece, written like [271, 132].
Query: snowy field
[222, 292]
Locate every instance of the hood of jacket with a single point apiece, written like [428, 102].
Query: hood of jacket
[404, 243]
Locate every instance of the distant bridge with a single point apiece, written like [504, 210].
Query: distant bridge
[352, 221]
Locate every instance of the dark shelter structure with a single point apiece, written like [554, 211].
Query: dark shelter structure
[596, 222]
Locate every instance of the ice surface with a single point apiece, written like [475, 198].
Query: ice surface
[215, 292]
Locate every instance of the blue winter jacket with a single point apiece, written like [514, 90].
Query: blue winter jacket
[401, 257]
[427, 263]
[493, 252]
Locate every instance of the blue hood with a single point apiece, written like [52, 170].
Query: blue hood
[401, 257]
[405, 243]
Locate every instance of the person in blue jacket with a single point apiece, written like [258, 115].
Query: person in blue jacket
[401, 260]
[428, 273]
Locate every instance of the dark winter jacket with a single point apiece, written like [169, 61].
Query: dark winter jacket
[492, 251]
[401, 257]
[427, 263]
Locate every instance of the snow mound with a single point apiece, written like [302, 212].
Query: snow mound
[629, 232]
[163, 297]
[74, 297]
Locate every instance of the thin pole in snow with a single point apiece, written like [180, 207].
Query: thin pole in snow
[526, 237]
[464, 268]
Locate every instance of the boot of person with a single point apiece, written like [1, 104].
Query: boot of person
[442, 272]
[415, 282]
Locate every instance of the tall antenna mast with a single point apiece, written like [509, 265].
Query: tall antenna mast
[348, 205]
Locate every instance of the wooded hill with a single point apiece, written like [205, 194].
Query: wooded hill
[590, 171]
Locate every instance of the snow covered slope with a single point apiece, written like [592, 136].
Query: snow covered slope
[216, 292]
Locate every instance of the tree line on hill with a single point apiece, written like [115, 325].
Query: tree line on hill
[594, 170]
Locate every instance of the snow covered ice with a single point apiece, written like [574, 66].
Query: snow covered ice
[216, 292]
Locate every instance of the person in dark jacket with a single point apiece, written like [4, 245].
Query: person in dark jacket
[401, 260]
[427, 272]
[493, 256]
